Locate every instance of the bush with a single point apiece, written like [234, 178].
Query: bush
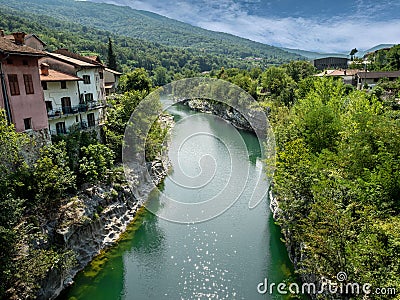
[96, 163]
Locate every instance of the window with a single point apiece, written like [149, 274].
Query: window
[60, 128]
[44, 85]
[63, 85]
[86, 79]
[91, 120]
[89, 97]
[101, 75]
[10, 61]
[66, 105]
[28, 84]
[13, 82]
[28, 123]
[49, 106]
[25, 62]
[76, 119]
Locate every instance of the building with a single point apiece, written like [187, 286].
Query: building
[331, 63]
[74, 91]
[348, 76]
[370, 79]
[111, 79]
[21, 93]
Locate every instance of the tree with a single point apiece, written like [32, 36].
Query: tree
[393, 58]
[160, 77]
[137, 80]
[52, 176]
[299, 70]
[96, 163]
[279, 85]
[112, 61]
[11, 206]
[353, 52]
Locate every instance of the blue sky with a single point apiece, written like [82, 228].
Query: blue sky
[315, 25]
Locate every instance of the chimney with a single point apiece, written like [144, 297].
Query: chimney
[44, 69]
[1, 33]
[19, 38]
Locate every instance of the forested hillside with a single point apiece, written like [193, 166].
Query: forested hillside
[151, 27]
[130, 52]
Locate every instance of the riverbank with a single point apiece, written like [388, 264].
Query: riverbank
[94, 219]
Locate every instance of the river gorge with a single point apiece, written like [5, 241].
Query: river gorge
[225, 257]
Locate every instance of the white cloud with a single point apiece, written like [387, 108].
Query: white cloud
[329, 35]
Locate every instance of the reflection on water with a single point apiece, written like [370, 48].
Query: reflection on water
[223, 258]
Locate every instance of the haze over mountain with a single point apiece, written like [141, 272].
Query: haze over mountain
[314, 25]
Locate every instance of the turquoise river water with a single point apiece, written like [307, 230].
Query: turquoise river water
[223, 258]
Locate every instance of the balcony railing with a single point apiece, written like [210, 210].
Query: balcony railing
[78, 126]
[58, 112]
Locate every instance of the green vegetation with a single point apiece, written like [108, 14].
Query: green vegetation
[337, 174]
[385, 59]
[30, 194]
[338, 150]
[33, 194]
[96, 163]
[338, 182]
[163, 62]
[136, 85]
[153, 28]
[52, 177]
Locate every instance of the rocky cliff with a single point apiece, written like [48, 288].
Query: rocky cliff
[90, 222]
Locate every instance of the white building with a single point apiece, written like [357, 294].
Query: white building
[74, 92]
[111, 79]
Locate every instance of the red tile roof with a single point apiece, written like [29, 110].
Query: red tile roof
[8, 47]
[58, 76]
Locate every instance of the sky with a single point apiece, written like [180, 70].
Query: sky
[315, 25]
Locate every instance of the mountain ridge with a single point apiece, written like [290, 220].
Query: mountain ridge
[152, 27]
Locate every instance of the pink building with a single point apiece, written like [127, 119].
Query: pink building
[21, 93]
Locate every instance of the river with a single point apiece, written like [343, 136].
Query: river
[222, 258]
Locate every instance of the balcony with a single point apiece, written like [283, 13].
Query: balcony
[59, 112]
[78, 126]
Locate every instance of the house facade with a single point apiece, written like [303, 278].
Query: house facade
[370, 79]
[21, 94]
[74, 92]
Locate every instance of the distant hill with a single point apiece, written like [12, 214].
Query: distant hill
[131, 53]
[373, 49]
[314, 55]
[152, 27]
